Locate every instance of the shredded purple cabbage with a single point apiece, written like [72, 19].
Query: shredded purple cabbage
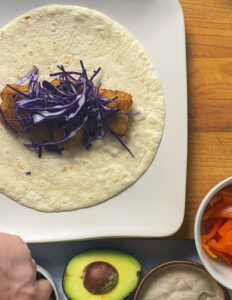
[73, 105]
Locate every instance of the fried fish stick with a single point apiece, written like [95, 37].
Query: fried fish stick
[8, 105]
[118, 123]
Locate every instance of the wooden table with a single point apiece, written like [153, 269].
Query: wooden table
[209, 61]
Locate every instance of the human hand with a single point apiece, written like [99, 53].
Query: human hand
[18, 272]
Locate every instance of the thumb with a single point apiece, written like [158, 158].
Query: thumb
[43, 289]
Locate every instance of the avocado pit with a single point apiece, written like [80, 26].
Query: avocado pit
[100, 277]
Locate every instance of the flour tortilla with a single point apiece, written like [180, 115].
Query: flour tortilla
[58, 34]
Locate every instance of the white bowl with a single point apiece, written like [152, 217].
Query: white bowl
[48, 276]
[218, 269]
[164, 266]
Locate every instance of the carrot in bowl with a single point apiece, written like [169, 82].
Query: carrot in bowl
[226, 257]
[217, 220]
[213, 231]
[227, 226]
[226, 239]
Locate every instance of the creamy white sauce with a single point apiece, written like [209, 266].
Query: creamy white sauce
[180, 282]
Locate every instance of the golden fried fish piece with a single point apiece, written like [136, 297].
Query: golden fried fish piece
[118, 123]
[8, 105]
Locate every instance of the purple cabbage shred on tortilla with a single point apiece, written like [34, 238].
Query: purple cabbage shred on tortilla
[73, 105]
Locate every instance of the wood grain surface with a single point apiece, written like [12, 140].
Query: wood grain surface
[209, 61]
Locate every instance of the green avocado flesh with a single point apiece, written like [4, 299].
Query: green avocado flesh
[128, 269]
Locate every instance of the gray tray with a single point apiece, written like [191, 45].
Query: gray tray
[55, 256]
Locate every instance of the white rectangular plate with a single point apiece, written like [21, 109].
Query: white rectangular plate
[154, 205]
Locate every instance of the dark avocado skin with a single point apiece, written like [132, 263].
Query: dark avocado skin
[128, 269]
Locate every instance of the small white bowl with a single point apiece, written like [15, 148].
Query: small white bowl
[164, 266]
[218, 269]
[48, 276]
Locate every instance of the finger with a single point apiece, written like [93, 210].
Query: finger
[11, 241]
[22, 245]
[33, 262]
[43, 289]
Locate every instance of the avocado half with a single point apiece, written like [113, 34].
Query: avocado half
[127, 267]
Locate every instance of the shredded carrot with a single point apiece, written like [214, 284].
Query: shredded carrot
[226, 189]
[227, 226]
[214, 230]
[209, 251]
[208, 224]
[224, 211]
[226, 257]
[215, 245]
[208, 211]
[226, 239]
[212, 210]
[217, 223]
[217, 236]
[227, 196]
[215, 199]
